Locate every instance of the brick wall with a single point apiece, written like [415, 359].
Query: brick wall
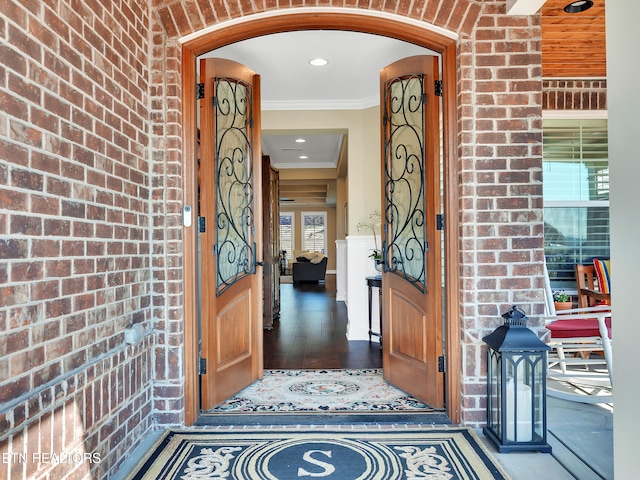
[167, 200]
[500, 157]
[500, 132]
[75, 236]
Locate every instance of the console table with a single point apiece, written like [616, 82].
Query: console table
[375, 282]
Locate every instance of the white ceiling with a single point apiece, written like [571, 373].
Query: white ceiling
[289, 82]
[320, 149]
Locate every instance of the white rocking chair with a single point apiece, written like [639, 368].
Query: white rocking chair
[580, 358]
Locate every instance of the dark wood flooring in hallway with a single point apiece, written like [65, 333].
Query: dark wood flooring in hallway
[311, 332]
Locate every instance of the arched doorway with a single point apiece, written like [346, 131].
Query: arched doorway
[263, 25]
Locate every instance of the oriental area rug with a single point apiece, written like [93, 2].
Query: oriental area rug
[309, 391]
[338, 454]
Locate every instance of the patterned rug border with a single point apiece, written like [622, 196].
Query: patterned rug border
[473, 460]
[402, 403]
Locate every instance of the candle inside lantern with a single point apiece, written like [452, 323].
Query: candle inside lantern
[518, 403]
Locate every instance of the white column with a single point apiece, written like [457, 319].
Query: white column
[360, 266]
[341, 270]
[623, 70]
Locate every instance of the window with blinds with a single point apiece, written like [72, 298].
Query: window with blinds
[576, 195]
[286, 234]
[314, 236]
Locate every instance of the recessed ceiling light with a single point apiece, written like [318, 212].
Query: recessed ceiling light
[300, 140]
[318, 62]
[578, 6]
[303, 157]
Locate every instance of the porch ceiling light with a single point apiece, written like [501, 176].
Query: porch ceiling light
[318, 62]
[578, 6]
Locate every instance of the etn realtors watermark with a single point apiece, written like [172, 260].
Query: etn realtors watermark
[75, 458]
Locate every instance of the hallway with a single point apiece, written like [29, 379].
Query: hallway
[311, 332]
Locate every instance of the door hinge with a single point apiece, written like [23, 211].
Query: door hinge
[439, 88]
[202, 224]
[439, 221]
[441, 365]
[202, 366]
[199, 91]
[424, 98]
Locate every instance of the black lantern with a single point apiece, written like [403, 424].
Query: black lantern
[516, 386]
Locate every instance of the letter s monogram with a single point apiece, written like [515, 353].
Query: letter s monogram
[328, 469]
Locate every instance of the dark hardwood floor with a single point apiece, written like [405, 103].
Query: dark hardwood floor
[311, 332]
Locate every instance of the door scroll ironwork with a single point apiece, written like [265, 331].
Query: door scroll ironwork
[405, 246]
[234, 247]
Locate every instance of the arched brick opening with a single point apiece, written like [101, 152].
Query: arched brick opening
[496, 165]
[184, 17]
[337, 21]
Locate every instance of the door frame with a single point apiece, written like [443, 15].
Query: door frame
[391, 27]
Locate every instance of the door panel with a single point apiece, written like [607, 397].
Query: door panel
[271, 241]
[407, 340]
[230, 194]
[234, 342]
[411, 283]
[234, 330]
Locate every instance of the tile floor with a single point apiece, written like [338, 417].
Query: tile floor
[581, 436]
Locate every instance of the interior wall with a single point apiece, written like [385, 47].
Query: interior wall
[342, 204]
[363, 181]
[331, 229]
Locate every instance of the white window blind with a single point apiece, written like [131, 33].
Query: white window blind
[314, 236]
[576, 195]
[287, 234]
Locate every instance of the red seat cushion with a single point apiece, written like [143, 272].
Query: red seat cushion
[577, 328]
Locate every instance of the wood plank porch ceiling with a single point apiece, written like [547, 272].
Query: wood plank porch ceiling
[573, 44]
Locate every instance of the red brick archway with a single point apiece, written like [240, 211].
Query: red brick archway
[496, 78]
[184, 17]
[335, 21]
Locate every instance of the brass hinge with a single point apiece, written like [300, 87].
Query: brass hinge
[199, 91]
[439, 88]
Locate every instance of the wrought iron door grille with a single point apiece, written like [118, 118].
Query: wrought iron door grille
[234, 182]
[405, 245]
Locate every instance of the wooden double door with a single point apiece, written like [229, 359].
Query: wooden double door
[230, 179]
